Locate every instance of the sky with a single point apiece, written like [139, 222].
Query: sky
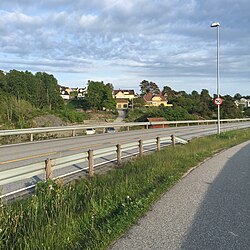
[169, 42]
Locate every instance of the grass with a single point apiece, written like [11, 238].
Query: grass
[92, 213]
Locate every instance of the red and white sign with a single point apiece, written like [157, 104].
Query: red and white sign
[218, 101]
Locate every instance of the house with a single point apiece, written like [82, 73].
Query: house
[124, 94]
[158, 120]
[67, 92]
[123, 98]
[81, 92]
[245, 102]
[122, 103]
[155, 100]
[64, 92]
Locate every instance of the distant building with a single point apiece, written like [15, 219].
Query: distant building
[64, 92]
[155, 100]
[123, 98]
[81, 93]
[158, 120]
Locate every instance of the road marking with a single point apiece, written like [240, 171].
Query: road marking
[27, 158]
[94, 145]
[45, 154]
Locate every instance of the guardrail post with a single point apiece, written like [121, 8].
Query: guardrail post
[173, 140]
[158, 143]
[119, 154]
[73, 133]
[31, 137]
[140, 147]
[91, 162]
[48, 169]
[128, 128]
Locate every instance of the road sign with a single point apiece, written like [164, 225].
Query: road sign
[218, 101]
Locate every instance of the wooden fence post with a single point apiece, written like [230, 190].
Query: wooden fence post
[48, 169]
[140, 147]
[119, 154]
[158, 143]
[91, 162]
[173, 140]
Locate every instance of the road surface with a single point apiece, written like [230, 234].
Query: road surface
[17, 158]
[208, 209]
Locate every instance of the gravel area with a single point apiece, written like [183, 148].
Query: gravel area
[208, 209]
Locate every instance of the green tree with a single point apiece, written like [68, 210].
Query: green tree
[146, 86]
[229, 108]
[3, 81]
[50, 91]
[99, 96]
[237, 96]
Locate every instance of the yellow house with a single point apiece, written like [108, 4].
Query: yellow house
[155, 100]
[123, 97]
[124, 94]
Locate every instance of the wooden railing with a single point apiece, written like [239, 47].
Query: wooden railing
[90, 159]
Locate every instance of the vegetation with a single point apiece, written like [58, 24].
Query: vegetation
[99, 96]
[92, 213]
[185, 106]
[24, 95]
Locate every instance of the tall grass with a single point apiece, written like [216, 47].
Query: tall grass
[91, 213]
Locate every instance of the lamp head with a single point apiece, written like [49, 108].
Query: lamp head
[215, 24]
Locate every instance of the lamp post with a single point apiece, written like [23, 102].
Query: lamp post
[217, 25]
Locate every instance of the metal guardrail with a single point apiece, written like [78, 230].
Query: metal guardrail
[40, 169]
[73, 129]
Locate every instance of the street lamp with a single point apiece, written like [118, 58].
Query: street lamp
[217, 25]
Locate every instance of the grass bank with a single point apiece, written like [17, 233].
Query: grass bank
[92, 213]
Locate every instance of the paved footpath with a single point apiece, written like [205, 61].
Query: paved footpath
[208, 209]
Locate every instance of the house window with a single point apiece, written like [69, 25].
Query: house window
[119, 106]
[125, 106]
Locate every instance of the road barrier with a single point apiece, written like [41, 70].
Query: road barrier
[45, 170]
[73, 129]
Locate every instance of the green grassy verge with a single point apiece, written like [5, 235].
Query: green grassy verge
[92, 213]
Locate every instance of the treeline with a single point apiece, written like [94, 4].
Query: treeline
[185, 106]
[24, 95]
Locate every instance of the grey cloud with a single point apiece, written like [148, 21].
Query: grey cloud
[159, 38]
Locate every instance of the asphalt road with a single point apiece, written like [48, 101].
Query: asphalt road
[18, 157]
[209, 209]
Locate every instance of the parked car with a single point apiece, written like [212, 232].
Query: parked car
[110, 130]
[90, 131]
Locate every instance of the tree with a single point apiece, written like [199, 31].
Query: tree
[50, 91]
[237, 96]
[110, 85]
[206, 104]
[99, 96]
[229, 109]
[3, 81]
[146, 87]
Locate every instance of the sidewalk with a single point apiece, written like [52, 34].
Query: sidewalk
[208, 209]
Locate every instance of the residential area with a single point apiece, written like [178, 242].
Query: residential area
[37, 100]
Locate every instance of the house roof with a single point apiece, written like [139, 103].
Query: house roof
[127, 91]
[149, 96]
[156, 119]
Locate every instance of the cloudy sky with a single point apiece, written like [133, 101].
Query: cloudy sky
[123, 42]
